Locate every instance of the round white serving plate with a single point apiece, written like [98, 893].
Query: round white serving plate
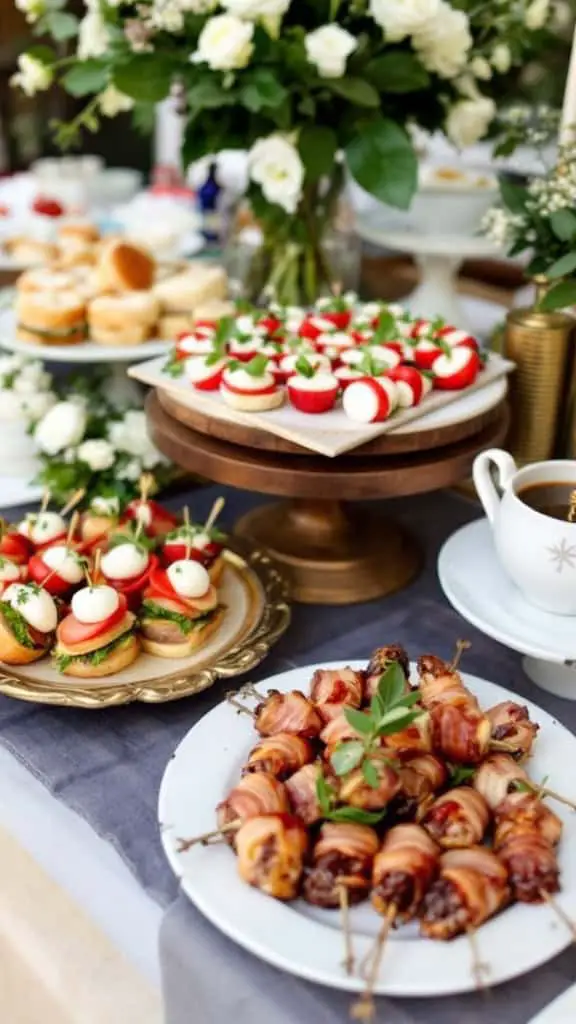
[82, 352]
[307, 941]
[476, 585]
[561, 1011]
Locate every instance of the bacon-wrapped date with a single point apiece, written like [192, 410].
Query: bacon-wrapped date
[342, 856]
[526, 812]
[255, 794]
[280, 755]
[403, 870]
[496, 777]
[287, 712]
[415, 737]
[440, 684]
[532, 866]
[421, 775]
[271, 850]
[461, 735]
[380, 660]
[302, 793]
[471, 887]
[333, 689]
[355, 791]
[336, 731]
[458, 818]
[511, 722]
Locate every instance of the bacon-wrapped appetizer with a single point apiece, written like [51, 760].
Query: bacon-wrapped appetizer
[531, 863]
[415, 737]
[421, 775]
[380, 660]
[471, 887]
[440, 684]
[287, 712]
[496, 777]
[524, 812]
[458, 818]
[459, 729]
[280, 755]
[255, 794]
[511, 722]
[302, 793]
[403, 870]
[355, 791]
[331, 689]
[342, 856]
[271, 849]
[337, 730]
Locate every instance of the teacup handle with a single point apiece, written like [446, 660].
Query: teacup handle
[483, 482]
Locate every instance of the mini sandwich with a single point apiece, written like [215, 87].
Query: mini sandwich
[59, 569]
[28, 619]
[126, 567]
[77, 239]
[124, 267]
[156, 520]
[97, 638]
[43, 529]
[99, 520]
[182, 294]
[125, 319]
[180, 610]
[30, 252]
[45, 279]
[196, 542]
[51, 317]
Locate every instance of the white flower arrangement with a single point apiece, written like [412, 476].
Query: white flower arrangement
[25, 389]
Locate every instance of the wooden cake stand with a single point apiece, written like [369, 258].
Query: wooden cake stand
[333, 553]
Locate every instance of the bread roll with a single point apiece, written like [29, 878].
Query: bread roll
[125, 319]
[123, 267]
[184, 292]
[29, 251]
[51, 317]
[77, 233]
[118, 659]
[214, 309]
[197, 638]
[174, 324]
[45, 279]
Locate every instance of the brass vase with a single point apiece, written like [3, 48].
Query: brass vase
[539, 344]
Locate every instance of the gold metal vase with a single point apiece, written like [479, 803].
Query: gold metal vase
[539, 344]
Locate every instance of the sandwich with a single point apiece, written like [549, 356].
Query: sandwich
[97, 638]
[51, 317]
[124, 267]
[123, 319]
[182, 293]
[45, 279]
[30, 252]
[99, 520]
[126, 567]
[28, 619]
[180, 610]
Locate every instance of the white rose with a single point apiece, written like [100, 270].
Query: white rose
[537, 13]
[131, 471]
[328, 48]
[252, 10]
[198, 6]
[32, 76]
[92, 35]
[225, 43]
[10, 406]
[36, 406]
[22, 386]
[63, 425]
[469, 120]
[480, 67]
[9, 365]
[112, 102]
[167, 15]
[97, 454]
[130, 436]
[443, 44]
[401, 18]
[501, 58]
[275, 165]
[33, 9]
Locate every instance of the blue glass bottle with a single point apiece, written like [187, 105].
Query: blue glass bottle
[208, 199]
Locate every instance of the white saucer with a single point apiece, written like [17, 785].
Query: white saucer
[475, 584]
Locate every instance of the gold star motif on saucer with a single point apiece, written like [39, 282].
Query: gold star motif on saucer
[563, 554]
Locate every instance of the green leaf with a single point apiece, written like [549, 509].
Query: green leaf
[394, 725]
[42, 53]
[347, 756]
[325, 794]
[304, 368]
[145, 76]
[397, 71]
[307, 106]
[412, 698]
[513, 196]
[88, 76]
[173, 366]
[382, 160]
[386, 328]
[357, 815]
[359, 721]
[460, 773]
[261, 90]
[377, 708]
[61, 25]
[558, 297]
[563, 224]
[392, 686]
[208, 93]
[256, 367]
[317, 146]
[565, 265]
[370, 774]
[355, 90]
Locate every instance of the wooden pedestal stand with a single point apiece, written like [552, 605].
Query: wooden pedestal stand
[332, 553]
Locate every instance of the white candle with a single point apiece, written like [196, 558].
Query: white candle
[568, 121]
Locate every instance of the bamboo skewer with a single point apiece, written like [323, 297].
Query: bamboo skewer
[45, 501]
[214, 513]
[559, 911]
[348, 962]
[461, 646]
[186, 844]
[73, 500]
[479, 969]
[364, 1008]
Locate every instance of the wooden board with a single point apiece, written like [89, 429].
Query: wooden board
[345, 478]
[387, 444]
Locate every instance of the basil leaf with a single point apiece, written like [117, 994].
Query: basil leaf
[389, 726]
[304, 367]
[409, 699]
[324, 793]
[377, 708]
[257, 366]
[173, 366]
[370, 774]
[460, 773]
[347, 756]
[392, 685]
[357, 815]
[359, 721]
[386, 328]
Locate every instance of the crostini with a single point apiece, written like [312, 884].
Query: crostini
[180, 610]
[97, 638]
[28, 619]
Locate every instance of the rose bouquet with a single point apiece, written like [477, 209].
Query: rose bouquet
[313, 89]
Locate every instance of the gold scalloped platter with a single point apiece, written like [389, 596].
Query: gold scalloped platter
[255, 597]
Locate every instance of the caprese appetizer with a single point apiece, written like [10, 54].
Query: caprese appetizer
[59, 569]
[97, 638]
[370, 400]
[199, 342]
[456, 369]
[11, 573]
[180, 610]
[311, 389]
[43, 528]
[205, 372]
[288, 364]
[99, 520]
[153, 519]
[126, 567]
[244, 347]
[14, 546]
[28, 620]
[251, 387]
[412, 385]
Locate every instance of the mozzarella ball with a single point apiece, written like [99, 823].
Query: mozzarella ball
[188, 578]
[64, 562]
[34, 604]
[94, 604]
[124, 562]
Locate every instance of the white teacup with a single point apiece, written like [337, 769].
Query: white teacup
[537, 551]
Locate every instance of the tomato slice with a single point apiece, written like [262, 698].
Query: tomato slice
[174, 551]
[15, 547]
[71, 631]
[39, 571]
[176, 605]
[162, 520]
[269, 390]
[160, 584]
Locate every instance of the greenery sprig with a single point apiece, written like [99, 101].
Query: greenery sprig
[328, 799]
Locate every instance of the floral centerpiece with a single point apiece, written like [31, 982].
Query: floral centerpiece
[313, 89]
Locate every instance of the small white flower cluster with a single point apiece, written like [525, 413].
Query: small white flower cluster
[32, 76]
[33, 9]
[25, 388]
[558, 190]
[440, 34]
[501, 226]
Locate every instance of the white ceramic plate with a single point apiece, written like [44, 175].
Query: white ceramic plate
[561, 1011]
[475, 584]
[306, 941]
[83, 352]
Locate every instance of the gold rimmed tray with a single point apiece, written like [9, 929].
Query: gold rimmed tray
[257, 613]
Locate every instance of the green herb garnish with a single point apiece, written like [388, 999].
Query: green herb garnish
[257, 366]
[327, 799]
[173, 367]
[62, 661]
[386, 329]
[186, 625]
[304, 367]
[17, 624]
[370, 366]
[460, 773]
